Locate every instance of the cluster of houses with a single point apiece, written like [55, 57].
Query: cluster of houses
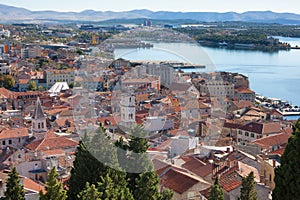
[199, 125]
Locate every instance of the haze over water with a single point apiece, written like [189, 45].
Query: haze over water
[271, 74]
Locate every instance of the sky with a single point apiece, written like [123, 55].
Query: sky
[157, 5]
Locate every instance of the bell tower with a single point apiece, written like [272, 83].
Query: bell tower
[127, 110]
[39, 125]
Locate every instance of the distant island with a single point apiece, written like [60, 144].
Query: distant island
[10, 14]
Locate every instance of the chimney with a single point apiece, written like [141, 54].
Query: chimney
[228, 150]
[264, 156]
[274, 163]
[228, 163]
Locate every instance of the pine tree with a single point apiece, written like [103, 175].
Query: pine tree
[85, 169]
[54, 188]
[166, 194]
[142, 180]
[248, 191]
[14, 190]
[216, 192]
[89, 193]
[147, 186]
[287, 175]
[93, 159]
[112, 190]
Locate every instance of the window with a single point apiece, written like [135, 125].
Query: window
[39, 125]
[270, 177]
[9, 141]
[3, 142]
[240, 132]
[252, 135]
[247, 134]
[191, 195]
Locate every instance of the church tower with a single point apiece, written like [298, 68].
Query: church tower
[39, 125]
[127, 110]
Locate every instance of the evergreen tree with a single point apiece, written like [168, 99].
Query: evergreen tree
[144, 183]
[86, 168]
[112, 190]
[216, 192]
[248, 191]
[146, 187]
[54, 188]
[93, 159]
[89, 193]
[287, 175]
[166, 194]
[14, 190]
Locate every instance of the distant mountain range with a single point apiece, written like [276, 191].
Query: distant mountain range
[10, 14]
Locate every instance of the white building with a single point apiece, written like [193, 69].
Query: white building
[158, 123]
[127, 105]
[217, 89]
[181, 144]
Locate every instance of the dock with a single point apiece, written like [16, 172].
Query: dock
[289, 113]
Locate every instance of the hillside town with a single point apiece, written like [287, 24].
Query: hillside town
[58, 83]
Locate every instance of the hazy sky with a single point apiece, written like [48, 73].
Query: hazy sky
[155, 5]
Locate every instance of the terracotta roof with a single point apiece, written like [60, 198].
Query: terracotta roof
[6, 93]
[32, 185]
[51, 141]
[244, 90]
[262, 128]
[230, 180]
[66, 113]
[198, 167]
[273, 140]
[13, 133]
[53, 152]
[55, 111]
[23, 81]
[107, 120]
[242, 104]
[177, 181]
[275, 112]
[277, 152]
[62, 122]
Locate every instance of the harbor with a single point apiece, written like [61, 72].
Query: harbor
[282, 106]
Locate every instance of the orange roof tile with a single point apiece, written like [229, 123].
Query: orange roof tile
[51, 141]
[32, 185]
[198, 167]
[177, 181]
[273, 140]
[13, 133]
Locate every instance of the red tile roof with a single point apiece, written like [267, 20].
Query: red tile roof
[198, 167]
[230, 180]
[177, 181]
[262, 128]
[51, 141]
[277, 152]
[273, 140]
[6, 93]
[13, 133]
[32, 185]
